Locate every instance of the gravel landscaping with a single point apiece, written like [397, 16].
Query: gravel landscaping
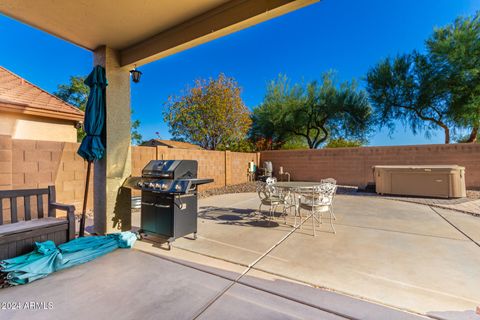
[252, 187]
[473, 194]
[238, 188]
[461, 204]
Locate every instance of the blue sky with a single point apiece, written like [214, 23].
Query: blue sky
[348, 36]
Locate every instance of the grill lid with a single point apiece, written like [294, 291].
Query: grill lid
[171, 169]
[168, 176]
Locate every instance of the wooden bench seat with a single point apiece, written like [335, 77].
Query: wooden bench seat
[19, 237]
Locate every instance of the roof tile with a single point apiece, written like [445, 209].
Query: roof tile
[172, 144]
[18, 91]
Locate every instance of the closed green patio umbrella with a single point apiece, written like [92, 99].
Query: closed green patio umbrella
[92, 148]
[47, 258]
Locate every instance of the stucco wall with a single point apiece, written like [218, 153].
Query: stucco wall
[20, 126]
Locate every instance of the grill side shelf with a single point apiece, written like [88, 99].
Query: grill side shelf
[201, 181]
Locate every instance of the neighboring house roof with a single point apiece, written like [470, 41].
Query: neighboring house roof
[171, 144]
[19, 95]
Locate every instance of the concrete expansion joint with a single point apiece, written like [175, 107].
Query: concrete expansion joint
[249, 267]
[454, 226]
[243, 281]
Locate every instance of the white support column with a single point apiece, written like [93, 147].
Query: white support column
[112, 204]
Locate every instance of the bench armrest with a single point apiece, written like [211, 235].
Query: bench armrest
[70, 209]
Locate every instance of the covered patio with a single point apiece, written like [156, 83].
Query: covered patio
[124, 35]
[388, 260]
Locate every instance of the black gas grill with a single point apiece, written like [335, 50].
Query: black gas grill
[169, 199]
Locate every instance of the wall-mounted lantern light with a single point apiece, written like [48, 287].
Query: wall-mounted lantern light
[135, 74]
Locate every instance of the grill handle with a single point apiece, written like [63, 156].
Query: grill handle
[156, 205]
[148, 203]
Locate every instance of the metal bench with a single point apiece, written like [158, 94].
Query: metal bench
[19, 234]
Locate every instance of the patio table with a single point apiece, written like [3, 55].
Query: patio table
[291, 188]
[289, 185]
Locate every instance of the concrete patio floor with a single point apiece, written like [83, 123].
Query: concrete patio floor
[405, 255]
[130, 284]
[388, 260]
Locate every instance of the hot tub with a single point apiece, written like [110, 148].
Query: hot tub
[444, 181]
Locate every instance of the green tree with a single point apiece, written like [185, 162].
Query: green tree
[211, 114]
[316, 112]
[342, 143]
[243, 145]
[76, 93]
[267, 126]
[468, 138]
[295, 142]
[136, 136]
[439, 89]
[455, 49]
[410, 89]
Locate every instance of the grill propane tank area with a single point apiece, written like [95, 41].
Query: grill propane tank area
[169, 199]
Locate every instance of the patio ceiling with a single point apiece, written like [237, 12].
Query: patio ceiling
[148, 30]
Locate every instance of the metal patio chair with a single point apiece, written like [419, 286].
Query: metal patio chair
[332, 181]
[273, 197]
[329, 180]
[318, 201]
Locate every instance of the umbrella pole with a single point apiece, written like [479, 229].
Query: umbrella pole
[85, 197]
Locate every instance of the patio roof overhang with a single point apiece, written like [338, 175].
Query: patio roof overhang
[122, 33]
[145, 32]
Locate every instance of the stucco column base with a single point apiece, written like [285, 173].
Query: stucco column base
[112, 203]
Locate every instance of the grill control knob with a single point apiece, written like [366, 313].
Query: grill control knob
[164, 186]
[157, 186]
[178, 187]
[151, 185]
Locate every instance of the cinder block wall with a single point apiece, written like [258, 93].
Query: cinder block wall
[38, 164]
[353, 166]
[29, 164]
[239, 170]
[211, 164]
[140, 157]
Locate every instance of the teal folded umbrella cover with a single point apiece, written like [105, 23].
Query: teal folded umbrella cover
[48, 258]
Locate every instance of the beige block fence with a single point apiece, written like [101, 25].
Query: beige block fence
[353, 166]
[37, 164]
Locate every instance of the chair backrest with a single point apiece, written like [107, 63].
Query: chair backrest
[266, 191]
[271, 181]
[329, 180]
[321, 194]
[10, 198]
